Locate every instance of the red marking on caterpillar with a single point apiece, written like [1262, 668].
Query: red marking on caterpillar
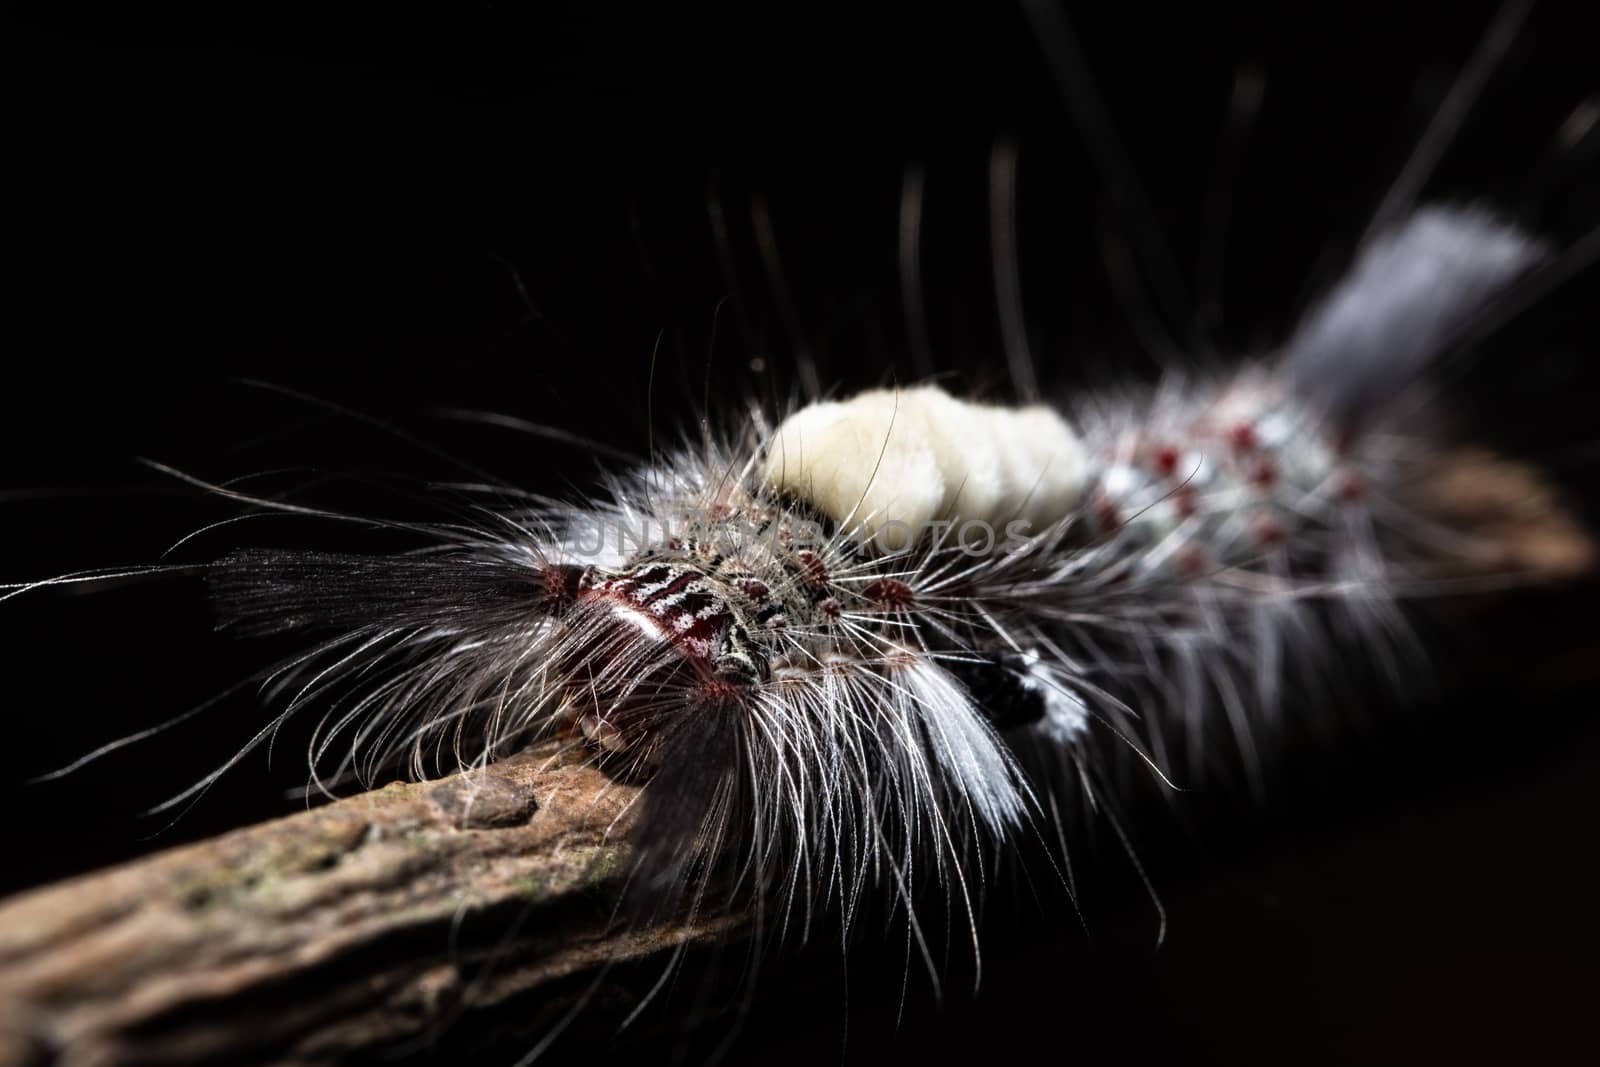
[561, 584]
[677, 601]
[1165, 460]
[1243, 437]
[1106, 514]
[890, 594]
[1268, 531]
[815, 570]
[1191, 561]
[1350, 488]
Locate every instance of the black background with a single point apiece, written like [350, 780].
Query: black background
[510, 207]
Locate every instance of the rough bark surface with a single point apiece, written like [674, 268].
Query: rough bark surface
[325, 935]
[408, 915]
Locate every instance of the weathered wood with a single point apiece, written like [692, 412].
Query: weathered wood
[407, 913]
[308, 938]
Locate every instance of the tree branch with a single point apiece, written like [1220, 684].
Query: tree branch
[312, 938]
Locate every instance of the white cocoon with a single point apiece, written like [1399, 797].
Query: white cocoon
[914, 456]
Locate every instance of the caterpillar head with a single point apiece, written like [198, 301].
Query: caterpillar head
[649, 643]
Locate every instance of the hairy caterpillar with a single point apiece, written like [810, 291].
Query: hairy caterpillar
[1144, 504]
[787, 632]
